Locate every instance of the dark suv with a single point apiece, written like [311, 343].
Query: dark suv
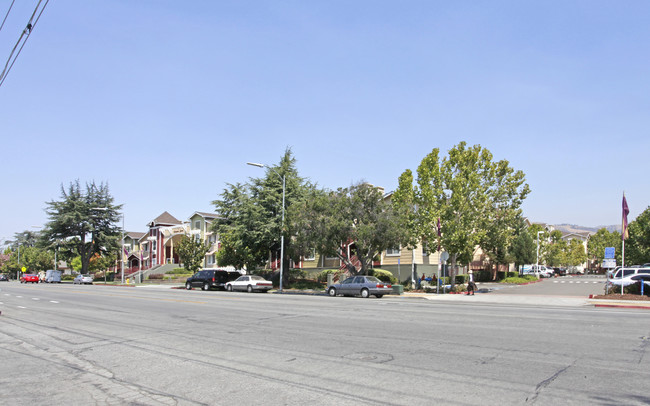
[211, 278]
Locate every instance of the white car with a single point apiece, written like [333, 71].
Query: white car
[630, 280]
[249, 283]
[83, 279]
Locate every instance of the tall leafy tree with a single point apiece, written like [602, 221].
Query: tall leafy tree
[469, 193]
[601, 240]
[358, 217]
[637, 246]
[250, 216]
[24, 239]
[506, 191]
[83, 222]
[522, 249]
[191, 252]
[33, 258]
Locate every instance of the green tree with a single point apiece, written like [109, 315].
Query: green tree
[523, 248]
[357, 216]
[32, 258]
[25, 239]
[191, 252]
[637, 246]
[250, 217]
[575, 253]
[601, 240]
[83, 222]
[476, 199]
[556, 253]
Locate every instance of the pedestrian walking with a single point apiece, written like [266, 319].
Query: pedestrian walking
[471, 286]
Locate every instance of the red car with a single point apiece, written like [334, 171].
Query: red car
[28, 277]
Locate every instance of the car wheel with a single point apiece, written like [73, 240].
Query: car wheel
[379, 296]
[365, 293]
[229, 288]
[188, 286]
[331, 292]
[206, 286]
[249, 289]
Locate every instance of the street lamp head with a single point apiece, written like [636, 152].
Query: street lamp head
[255, 164]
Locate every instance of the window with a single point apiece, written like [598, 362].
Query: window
[311, 255]
[393, 251]
[210, 259]
[197, 224]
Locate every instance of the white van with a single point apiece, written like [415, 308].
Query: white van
[52, 276]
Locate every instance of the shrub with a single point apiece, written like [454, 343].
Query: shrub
[519, 279]
[67, 277]
[460, 288]
[178, 271]
[155, 276]
[383, 275]
[307, 284]
[322, 276]
[462, 279]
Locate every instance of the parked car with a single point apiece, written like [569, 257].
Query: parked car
[210, 278]
[83, 279]
[249, 283]
[623, 272]
[559, 271]
[3, 278]
[360, 285]
[29, 277]
[630, 280]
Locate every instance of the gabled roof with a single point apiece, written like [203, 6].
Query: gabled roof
[135, 235]
[205, 215]
[165, 219]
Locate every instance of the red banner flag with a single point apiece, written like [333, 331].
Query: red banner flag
[626, 211]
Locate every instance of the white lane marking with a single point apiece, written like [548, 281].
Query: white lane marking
[1, 303]
[22, 307]
[35, 298]
[19, 296]
[53, 301]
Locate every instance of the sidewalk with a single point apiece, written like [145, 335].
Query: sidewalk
[530, 300]
[479, 297]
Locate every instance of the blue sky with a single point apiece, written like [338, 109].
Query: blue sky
[167, 100]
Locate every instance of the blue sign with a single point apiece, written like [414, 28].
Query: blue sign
[609, 252]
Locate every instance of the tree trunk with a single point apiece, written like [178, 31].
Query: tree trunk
[452, 272]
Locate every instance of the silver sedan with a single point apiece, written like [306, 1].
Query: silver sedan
[360, 285]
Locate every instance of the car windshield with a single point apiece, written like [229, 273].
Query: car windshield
[257, 278]
[372, 279]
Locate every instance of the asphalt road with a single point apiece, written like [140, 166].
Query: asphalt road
[87, 345]
[570, 286]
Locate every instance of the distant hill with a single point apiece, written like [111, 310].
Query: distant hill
[573, 228]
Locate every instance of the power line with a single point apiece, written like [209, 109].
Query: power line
[7, 15]
[24, 36]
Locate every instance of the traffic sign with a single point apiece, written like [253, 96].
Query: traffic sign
[609, 263]
[610, 252]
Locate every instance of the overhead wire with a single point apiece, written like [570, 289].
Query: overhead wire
[24, 34]
[7, 15]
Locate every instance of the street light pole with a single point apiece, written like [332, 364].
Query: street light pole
[122, 250]
[537, 265]
[281, 224]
